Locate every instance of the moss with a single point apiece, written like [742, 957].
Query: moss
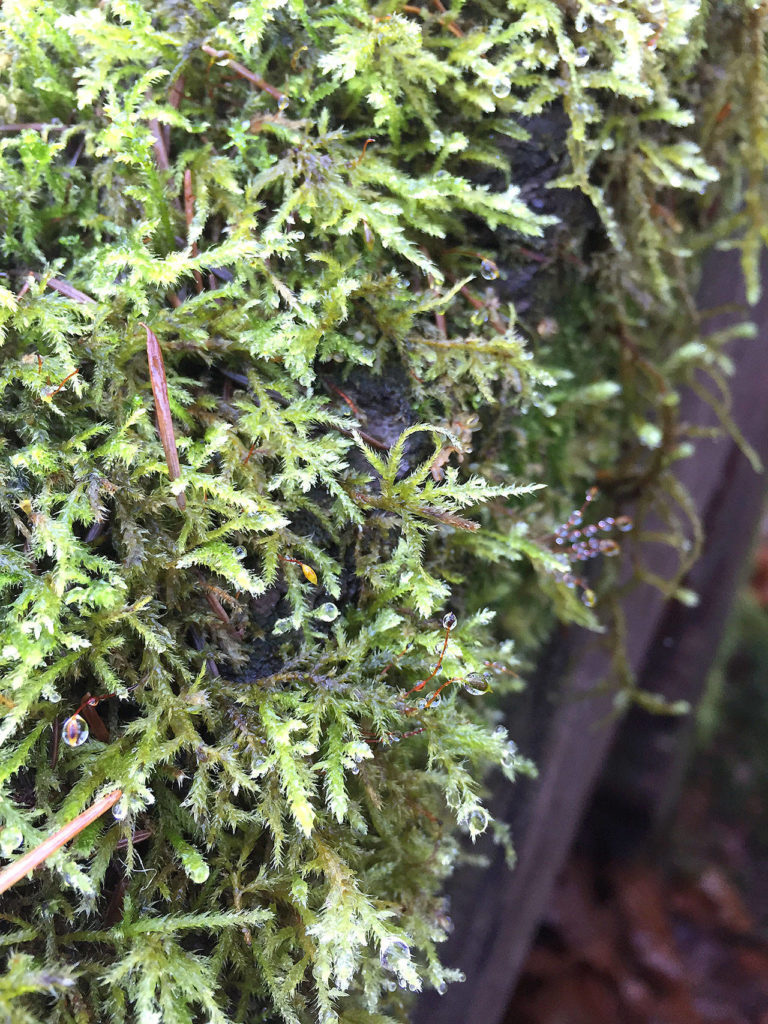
[418, 279]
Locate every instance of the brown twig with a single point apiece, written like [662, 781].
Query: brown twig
[242, 70]
[95, 722]
[163, 409]
[25, 287]
[216, 606]
[33, 126]
[175, 95]
[449, 25]
[68, 377]
[189, 214]
[332, 387]
[55, 742]
[15, 872]
[473, 301]
[161, 150]
[440, 321]
[64, 288]
[137, 837]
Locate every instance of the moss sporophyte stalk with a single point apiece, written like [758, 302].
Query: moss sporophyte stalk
[317, 323]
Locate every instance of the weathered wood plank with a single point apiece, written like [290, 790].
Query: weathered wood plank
[497, 911]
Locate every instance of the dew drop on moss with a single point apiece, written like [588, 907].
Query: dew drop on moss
[449, 621]
[120, 810]
[510, 755]
[477, 821]
[327, 612]
[199, 873]
[489, 270]
[582, 56]
[74, 731]
[393, 954]
[10, 839]
[476, 685]
[501, 87]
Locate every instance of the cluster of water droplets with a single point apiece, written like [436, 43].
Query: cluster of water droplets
[396, 957]
[584, 542]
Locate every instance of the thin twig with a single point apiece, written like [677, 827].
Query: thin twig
[189, 214]
[33, 126]
[242, 70]
[15, 872]
[161, 150]
[163, 410]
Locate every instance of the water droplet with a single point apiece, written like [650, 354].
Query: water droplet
[199, 873]
[74, 731]
[327, 612]
[575, 518]
[477, 821]
[476, 685]
[120, 810]
[580, 24]
[441, 988]
[624, 523]
[436, 137]
[501, 87]
[609, 548]
[499, 732]
[489, 270]
[390, 986]
[582, 56]
[607, 523]
[509, 756]
[608, 144]
[281, 626]
[393, 954]
[240, 553]
[590, 531]
[588, 598]
[282, 103]
[449, 621]
[602, 13]
[574, 536]
[354, 770]
[10, 839]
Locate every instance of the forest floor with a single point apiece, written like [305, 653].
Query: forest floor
[678, 935]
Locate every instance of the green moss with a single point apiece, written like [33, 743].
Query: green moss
[332, 358]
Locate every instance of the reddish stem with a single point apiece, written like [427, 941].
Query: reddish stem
[242, 70]
[163, 409]
[15, 872]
